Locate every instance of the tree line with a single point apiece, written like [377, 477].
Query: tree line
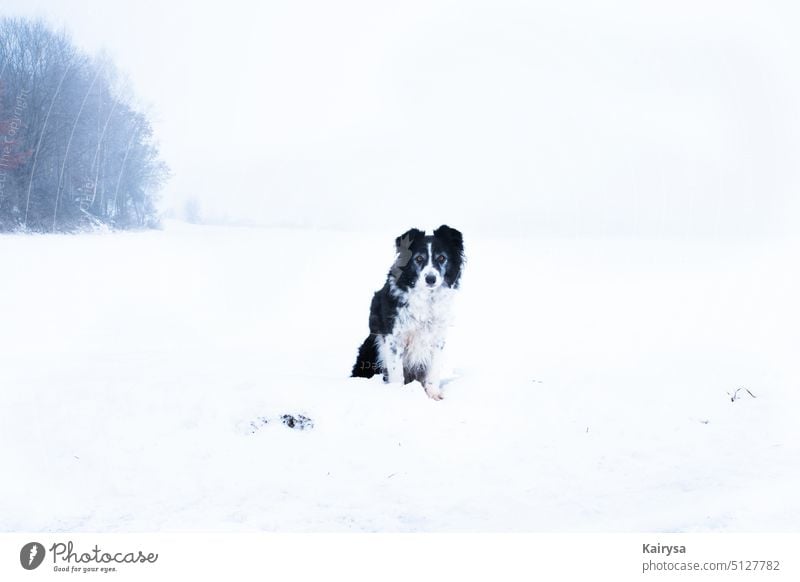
[74, 151]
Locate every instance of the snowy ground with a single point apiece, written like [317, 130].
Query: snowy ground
[589, 389]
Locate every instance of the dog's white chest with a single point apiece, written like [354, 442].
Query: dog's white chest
[421, 325]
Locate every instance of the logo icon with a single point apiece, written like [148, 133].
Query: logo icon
[31, 555]
[403, 256]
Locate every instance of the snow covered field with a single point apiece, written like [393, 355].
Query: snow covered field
[590, 387]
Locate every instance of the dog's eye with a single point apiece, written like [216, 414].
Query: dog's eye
[440, 259]
[420, 260]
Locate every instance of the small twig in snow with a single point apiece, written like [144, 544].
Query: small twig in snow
[735, 395]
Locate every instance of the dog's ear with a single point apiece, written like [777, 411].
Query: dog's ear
[403, 242]
[454, 242]
[451, 236]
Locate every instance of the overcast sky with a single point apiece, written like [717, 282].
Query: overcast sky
[566, 117]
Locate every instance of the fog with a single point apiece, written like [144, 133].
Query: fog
[569, 119]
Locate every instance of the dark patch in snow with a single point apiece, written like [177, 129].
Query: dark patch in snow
[298, 422]
[294, 421]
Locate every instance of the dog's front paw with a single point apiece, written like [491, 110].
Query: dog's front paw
[433, 391]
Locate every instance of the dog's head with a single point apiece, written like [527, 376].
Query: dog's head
[429, 261]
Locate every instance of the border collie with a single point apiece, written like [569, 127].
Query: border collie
[409, 317]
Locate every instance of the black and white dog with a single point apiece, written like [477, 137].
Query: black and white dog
[409, 317]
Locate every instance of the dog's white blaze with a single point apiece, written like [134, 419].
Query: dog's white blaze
[429, 270]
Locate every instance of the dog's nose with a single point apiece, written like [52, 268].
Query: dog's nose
[430, 279]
